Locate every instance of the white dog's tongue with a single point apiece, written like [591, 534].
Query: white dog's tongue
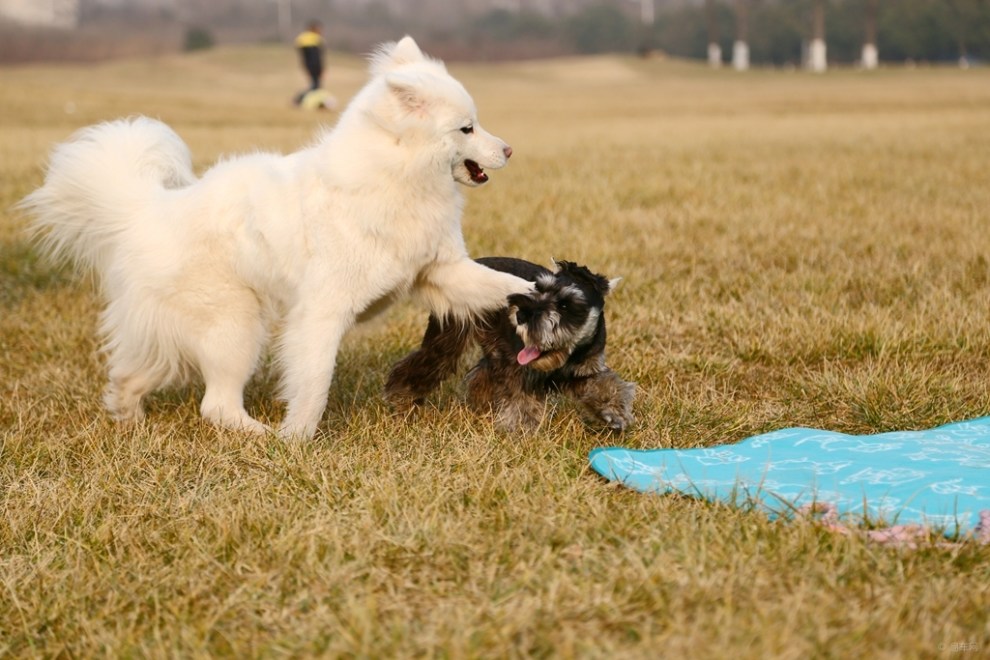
[527, 355]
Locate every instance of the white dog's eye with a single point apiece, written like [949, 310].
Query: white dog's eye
[467, 130]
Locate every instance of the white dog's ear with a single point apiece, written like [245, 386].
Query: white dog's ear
[406, 52]
[408, 91]
[390, 56]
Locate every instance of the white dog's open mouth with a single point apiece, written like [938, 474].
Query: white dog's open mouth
[475, 172]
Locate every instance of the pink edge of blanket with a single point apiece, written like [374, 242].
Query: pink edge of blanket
[907, 536]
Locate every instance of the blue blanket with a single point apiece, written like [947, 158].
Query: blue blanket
[939, 477]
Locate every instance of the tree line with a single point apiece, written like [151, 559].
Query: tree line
[777, 32]
[773, 32]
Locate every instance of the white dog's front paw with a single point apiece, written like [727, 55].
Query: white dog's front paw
[251, 425]
[296, 431]
[518, 286]
[235, 422]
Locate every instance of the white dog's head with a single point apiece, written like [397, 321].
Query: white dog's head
[425, 106]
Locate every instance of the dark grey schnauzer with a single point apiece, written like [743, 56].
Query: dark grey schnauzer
[552, 340]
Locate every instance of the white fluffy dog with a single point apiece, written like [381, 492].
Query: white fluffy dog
[196, 273]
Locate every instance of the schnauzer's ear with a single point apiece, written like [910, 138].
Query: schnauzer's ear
[517, 300]
[599, 283]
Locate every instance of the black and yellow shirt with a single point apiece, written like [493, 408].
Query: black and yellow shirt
[310, 46]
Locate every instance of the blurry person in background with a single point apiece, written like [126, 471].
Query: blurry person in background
[310, 45]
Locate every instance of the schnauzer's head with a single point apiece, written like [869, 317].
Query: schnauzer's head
[563, 314]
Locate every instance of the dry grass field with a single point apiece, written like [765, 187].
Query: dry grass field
[797, 250]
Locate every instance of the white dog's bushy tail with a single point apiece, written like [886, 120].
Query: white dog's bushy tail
[97, 182]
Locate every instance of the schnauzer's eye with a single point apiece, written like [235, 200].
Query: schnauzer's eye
[467, 130]
[564, 305]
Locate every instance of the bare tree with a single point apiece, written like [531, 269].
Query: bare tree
[740, 49]
[871, 56]
[647, 12]
[284, 19]
[817, 61]
[966, 15]
[714, 49]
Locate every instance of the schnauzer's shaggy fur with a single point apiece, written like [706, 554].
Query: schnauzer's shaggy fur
[550, 341]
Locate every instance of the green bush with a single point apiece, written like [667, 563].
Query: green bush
[601, 29]
[504, 25]
[198, 39]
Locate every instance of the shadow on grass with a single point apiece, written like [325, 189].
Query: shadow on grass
[23, 270]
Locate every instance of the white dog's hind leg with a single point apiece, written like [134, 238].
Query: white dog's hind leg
[136, 360]
[465, 287]
[127, 389]
[227, 355]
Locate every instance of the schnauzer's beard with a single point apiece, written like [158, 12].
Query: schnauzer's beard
[556, 342]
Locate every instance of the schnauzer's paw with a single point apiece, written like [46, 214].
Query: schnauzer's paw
[616, 410]
[518, 419]
[403, 404]
[617, 421]
[618, 416]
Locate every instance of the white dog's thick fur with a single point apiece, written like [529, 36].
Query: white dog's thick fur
[197, 272]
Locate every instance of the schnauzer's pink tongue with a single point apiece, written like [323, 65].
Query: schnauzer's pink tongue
[527, 355]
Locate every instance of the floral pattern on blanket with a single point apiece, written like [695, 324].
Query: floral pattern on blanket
[938, 477]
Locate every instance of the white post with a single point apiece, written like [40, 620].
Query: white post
[816, 56]
[714, 56]
[871, 57]
[740, 56]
